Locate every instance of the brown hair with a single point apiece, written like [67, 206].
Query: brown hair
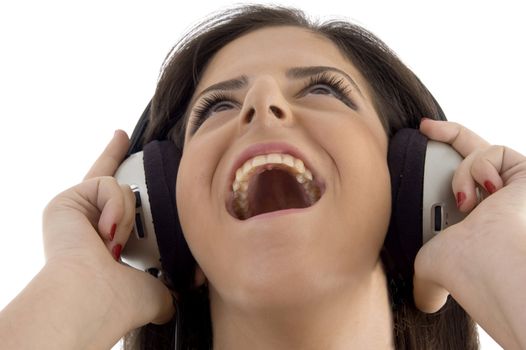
[400, 100]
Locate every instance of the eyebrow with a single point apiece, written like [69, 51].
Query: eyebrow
[294, 73]
[232, 84]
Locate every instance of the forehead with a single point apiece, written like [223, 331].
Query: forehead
[273, 50]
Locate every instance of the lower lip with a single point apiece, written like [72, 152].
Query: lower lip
[272, 214]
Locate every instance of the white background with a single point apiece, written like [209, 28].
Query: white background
[73, 72]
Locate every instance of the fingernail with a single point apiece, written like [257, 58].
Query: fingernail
[490, 187]
[117, 252]
[461, 197]
[112, 231]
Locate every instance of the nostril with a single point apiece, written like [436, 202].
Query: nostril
[276, 111]
[250, 114]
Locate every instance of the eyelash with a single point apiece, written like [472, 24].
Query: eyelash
[203, 110]
[339, 89]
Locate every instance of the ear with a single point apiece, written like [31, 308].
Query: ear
[199, 277]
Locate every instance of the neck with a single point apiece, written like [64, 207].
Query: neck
[353, 317]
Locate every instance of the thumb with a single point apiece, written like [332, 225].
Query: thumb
[151, 299]
[428, 292]
[429, 296]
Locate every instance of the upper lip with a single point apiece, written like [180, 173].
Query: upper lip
[272, 147]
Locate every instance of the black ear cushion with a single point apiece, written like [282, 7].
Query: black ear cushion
[161, 162]
[406, 160]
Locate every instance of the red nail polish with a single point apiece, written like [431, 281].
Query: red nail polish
[461, 197]
[490, 187]
[112, 231]
[117, 252]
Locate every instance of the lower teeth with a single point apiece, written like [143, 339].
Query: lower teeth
[242, 209]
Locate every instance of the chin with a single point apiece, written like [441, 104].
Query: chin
[284, 290]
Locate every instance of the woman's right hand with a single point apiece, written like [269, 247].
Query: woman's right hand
[85, 228]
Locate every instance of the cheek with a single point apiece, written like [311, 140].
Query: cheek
[186, 198]
[367, 193]
[198, 204]
[358, 149]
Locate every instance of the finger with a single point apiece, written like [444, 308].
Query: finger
[491, 168]
[498, 166]
[463, 140]
[429, 297]
[428, 293]
[486, 168]
[464, 186]
[166, 312]
[110, 200]
[121, 231]
[111, 157]
[159, 307]
[512, 165]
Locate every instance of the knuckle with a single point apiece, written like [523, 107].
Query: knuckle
[498, 148]
[108, 181]
[107, 178]
[492, 152]
[128, 193]
[456, 125]
[459, 131]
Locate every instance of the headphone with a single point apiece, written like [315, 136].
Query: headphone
[423, 204]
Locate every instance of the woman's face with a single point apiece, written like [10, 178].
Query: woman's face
[283, 94]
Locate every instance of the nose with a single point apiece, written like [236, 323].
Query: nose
[265, 105]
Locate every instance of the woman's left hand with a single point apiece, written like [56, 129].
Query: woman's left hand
[480, 261]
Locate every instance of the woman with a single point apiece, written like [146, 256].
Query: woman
[307, 279]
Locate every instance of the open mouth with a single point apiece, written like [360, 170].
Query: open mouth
[268, 186]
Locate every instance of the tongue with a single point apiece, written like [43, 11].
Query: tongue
[274, 190]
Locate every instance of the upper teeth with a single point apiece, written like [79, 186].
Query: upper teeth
[269, 161]
[247, 169]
